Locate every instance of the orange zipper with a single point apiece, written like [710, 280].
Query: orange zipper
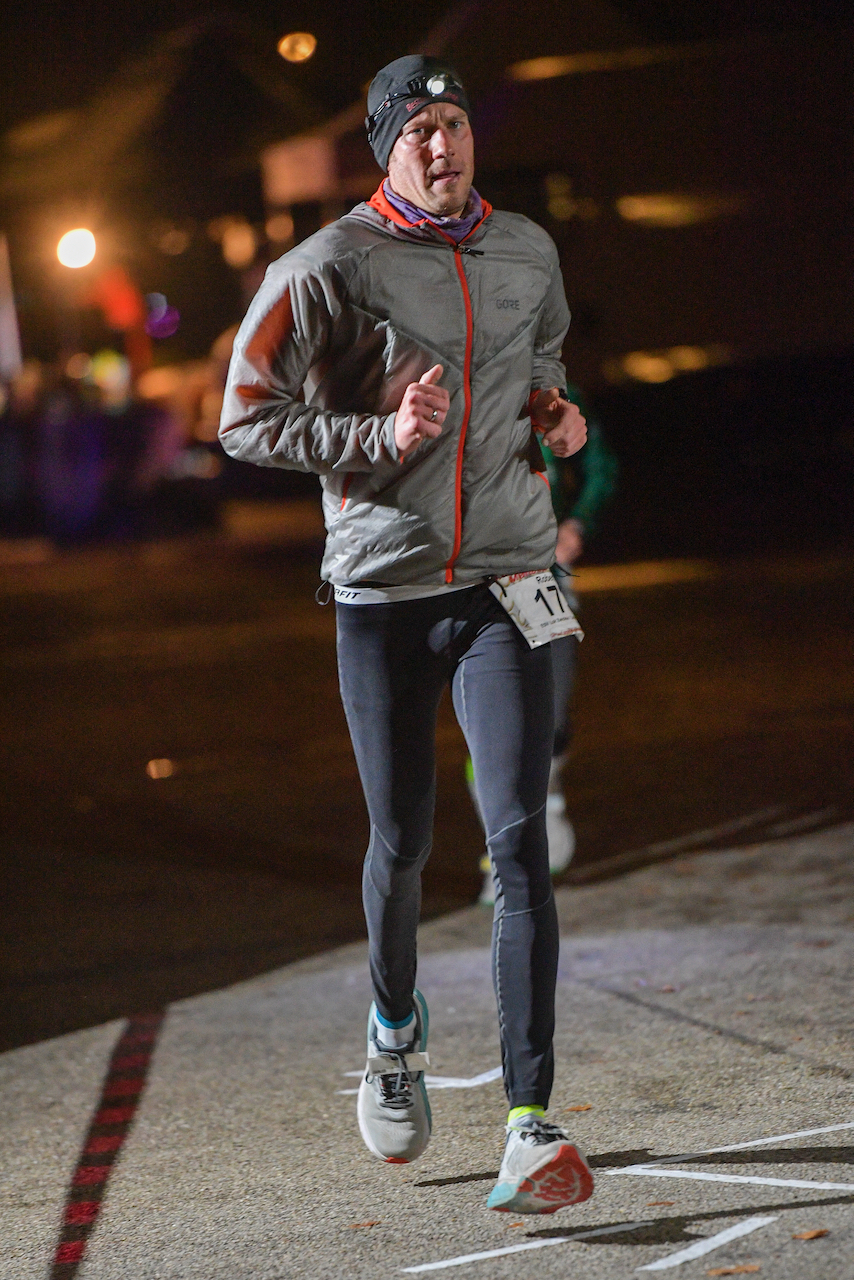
[347, 479]
[379, 201]
[458, 483]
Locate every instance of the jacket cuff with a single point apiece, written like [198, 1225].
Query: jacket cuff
[387, 438]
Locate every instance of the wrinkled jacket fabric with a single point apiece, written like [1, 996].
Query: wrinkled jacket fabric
[340, 327]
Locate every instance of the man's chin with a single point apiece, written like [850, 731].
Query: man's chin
[450, 201]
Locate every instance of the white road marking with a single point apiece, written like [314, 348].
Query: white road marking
[522, 1248]
[734, 1146]
[638, 858]
[713, 833]
[802, 823]
[444, 1082]
[706, 1246]
[639, 1171]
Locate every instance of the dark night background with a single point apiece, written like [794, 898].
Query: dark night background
[693, 165]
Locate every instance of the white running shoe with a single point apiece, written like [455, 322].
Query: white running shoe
[393, 1109]
[560, 834]
[542, 1170]
[559, 829]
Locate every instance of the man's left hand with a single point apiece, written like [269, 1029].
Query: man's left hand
[564, 429]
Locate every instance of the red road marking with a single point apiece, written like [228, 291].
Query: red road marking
[108, 1130]
[115, 1115]
[123, 1088]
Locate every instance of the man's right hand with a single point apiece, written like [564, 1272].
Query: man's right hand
[422, 411]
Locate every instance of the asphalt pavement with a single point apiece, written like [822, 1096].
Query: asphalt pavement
[704, 1059]
[185, 984]
[180, 806]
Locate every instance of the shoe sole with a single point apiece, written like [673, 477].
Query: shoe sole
[422, 1045]
[564, 1180]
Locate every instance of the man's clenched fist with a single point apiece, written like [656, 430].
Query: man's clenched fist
[564, 429]
[422, 411]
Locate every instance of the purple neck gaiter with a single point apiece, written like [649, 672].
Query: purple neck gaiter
[456, 228]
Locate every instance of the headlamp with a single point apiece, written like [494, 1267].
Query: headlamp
[426, 86]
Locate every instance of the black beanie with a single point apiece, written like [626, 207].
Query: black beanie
[401, 88]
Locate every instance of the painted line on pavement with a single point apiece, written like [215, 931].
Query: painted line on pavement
[707, 1246]
[444, 1082]
[114, 1114]
[522, 1248]
[735, 1146]
[652, 853]
[696, 1176]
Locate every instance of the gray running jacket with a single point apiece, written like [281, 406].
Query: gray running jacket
[340, 327]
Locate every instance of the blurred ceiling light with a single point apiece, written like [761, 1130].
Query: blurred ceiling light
[661, 366]
[76, 248]
[160, 768]
[160, 383]
[79, 365]
[298, 46]
[574, 64]
[645, 366]
[689, 359]
[239, 243]
[673, 209]
[279, 228]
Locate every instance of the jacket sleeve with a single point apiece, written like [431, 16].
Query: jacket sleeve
[554, 321]
[288, 329]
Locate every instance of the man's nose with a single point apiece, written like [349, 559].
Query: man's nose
[441, 143]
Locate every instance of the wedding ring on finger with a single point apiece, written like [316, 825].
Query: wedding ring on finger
[434, 415]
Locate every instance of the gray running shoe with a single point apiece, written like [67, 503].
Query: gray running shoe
[542, 1170]
[393, 1109]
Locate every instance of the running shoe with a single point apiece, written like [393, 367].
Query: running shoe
[542, 1170]
[486, 898]
[559, 829]
[393, 1109]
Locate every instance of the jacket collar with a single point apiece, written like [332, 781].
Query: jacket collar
[380, 202]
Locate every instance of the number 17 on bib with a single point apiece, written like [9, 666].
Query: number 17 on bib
[537, 605]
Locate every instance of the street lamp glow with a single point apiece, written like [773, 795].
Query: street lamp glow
[76, 248]
[298, 46]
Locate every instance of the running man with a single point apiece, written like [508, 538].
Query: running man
[408, 354]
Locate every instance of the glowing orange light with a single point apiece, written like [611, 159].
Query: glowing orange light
[160, 768]
[76, 248]
[279, 228]
[677, 209]
[239, 243]
[298, 46]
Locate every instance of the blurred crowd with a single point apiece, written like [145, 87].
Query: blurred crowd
[88, 451]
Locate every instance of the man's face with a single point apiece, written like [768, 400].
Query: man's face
[432, 162]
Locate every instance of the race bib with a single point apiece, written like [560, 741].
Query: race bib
[537, 605]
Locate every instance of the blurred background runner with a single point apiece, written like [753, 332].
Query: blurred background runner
[581, 486]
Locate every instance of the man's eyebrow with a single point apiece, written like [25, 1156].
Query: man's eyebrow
[459, 118]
